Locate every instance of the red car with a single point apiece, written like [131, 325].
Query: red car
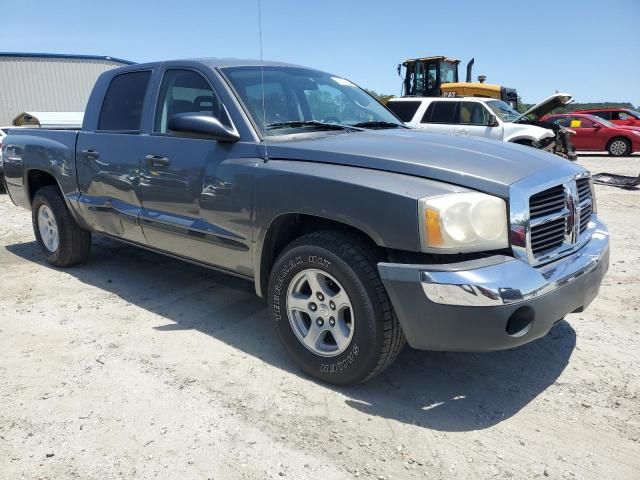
[619, 116]
[597, 134]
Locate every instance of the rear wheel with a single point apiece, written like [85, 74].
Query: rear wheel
[62, 241]
[619, 147]
[330, 309]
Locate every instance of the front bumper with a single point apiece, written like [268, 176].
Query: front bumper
[494, 303]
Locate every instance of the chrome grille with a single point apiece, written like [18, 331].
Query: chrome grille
[585, 215]
[585, 202]
[547, 236]
[547, 202]
[584, 189]
[559, 219]
[547, 213]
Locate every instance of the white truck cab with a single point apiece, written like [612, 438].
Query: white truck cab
[478, 116]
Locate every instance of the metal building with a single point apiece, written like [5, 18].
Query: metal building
[42, 82]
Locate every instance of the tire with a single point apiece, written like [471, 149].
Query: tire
[619, 147]
[49, 213]
[372, 338]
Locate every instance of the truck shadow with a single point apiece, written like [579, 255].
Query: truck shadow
[440, 391]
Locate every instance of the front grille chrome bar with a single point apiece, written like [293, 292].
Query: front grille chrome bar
[562, 208]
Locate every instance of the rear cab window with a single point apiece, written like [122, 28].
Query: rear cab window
[441, 112]
[405, 111]
[124, 101]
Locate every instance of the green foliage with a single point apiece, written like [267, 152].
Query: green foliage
[523, 107]
[572, 107]
[382, 98]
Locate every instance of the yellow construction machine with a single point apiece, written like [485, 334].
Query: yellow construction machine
[438, 77]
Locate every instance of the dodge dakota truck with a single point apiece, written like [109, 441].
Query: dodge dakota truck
[361, 233]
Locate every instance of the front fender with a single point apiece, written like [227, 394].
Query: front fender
[528, 132]
[382, 205]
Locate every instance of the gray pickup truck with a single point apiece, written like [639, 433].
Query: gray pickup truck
[360, 232]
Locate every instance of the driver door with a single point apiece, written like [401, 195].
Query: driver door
[195, 199]
[473, 120]
[587, 136]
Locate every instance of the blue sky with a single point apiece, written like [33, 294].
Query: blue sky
[590, 48]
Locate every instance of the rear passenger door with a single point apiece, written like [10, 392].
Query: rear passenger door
[195, 195]
[108, 158]
[440, 117]
[473, 120]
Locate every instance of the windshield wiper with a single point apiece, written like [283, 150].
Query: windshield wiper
[378, 124]
[308, 123]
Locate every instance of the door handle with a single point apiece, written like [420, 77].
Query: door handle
[90, 154]
[157, 160]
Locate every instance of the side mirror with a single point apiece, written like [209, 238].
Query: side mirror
[597, 126]
[493, 121]
[201, 126]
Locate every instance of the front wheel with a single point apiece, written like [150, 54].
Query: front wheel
[330, 309]
[619, 147]
[63, 242]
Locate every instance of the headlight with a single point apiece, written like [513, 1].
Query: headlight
[463, 222]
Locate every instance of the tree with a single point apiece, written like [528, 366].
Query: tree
[382, 98]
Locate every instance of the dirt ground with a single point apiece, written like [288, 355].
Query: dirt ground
[139, 366]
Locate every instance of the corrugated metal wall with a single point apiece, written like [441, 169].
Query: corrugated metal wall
[46, 84]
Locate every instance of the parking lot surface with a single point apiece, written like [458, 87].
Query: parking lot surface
[135, 365]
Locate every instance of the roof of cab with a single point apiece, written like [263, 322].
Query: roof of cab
[213, 62]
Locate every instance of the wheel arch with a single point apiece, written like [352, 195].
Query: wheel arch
[285, 228]
[618, 137]
[35, 179]
[523, 140]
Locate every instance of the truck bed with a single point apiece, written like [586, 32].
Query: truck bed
[51, 151]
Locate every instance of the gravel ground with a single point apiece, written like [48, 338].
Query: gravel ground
[138, 366]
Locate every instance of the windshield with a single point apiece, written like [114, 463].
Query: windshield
[633, 113]
[503, 110]
[298, 99]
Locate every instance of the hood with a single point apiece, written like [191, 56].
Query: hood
[479, 164]
[546, 106]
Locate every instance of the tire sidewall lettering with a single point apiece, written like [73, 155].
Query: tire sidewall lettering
[341, 365]
[277, 289]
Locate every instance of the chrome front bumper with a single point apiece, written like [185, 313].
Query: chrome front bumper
[496, 302]
[514, 281]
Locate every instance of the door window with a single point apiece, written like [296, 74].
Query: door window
[586, 123]
[186, 91]
[123, 103]
[441, 112]
[605, 115]
[562, 121]
[473, 113]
